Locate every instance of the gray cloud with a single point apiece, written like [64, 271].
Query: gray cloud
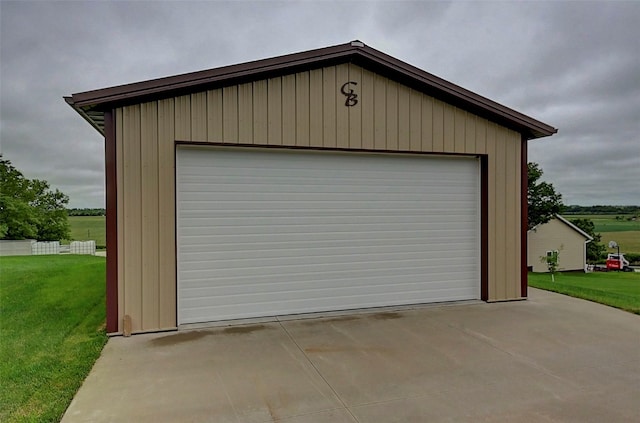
[574, 65]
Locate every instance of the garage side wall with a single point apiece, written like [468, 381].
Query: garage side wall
[306, 109]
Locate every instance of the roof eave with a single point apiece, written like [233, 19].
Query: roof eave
[89, 118]
[356, 52]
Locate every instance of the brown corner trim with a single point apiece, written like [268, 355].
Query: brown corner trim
[524, 221]
[111, 221]
[484, 228]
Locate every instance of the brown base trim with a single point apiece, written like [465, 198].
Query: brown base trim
[111, 221]
[484, 228]
[524, 221]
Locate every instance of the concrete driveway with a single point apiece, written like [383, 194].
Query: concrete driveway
[550, 359]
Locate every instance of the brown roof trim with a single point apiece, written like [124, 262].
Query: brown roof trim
[89, 102]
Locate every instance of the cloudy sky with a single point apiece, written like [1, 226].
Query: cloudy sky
[574, 65]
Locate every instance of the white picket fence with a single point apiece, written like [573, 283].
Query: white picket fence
[40, 248]
[26, 247]
[54, 247]
[83, 247]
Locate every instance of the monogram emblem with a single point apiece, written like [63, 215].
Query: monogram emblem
[347, 91]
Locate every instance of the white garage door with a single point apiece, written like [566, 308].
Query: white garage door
[273, 232]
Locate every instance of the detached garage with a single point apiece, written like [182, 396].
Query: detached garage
[335, 179]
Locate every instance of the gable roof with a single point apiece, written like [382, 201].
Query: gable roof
[91, 105]
[569, 224]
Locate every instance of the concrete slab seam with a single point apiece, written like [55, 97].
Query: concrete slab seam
[319, 373]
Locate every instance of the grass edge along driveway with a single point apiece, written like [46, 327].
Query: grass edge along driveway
[615, 289]
[52, 313]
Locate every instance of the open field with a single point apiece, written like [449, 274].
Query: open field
[608, 223]
[629, 241]
[84, 228]
[625, 232]
[616, 289]
[52, 313]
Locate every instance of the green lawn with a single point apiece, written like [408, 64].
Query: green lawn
[616, 289]
[52, 313]
[85, 228]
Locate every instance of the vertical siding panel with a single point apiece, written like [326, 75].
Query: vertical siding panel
[302, 108]
[415, 123]
[492, 204]
[260, 112]
[427, 124]
[230, 114]
[245, 113]
[460, 119]
[481, 136]
[329, 107]
[120, 208]
[183, 118]
[470, 134]
[214, 115]
[367, 106]
[392, 115]
[438, 126]
[355, 112]
[342, 111]
[289, 110]
[166, 211]
[315, 108]
[379, 112]
[449, 128]
[404, 110]
[132, 216]
[149, 185]
[274, 103]
[199, 116]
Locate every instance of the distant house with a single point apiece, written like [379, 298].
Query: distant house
[557, 235]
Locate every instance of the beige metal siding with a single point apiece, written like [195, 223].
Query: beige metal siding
[302, 109]
[166, 215]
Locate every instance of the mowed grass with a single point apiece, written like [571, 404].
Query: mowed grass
[616, 289]
[52, 314]
[85, 228]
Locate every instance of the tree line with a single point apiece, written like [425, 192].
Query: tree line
[574, 209]
[29, 208]
[86, 212]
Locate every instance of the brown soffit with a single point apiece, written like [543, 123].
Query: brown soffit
[92, 104]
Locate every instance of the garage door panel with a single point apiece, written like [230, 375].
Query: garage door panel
[409, 293]
[302, 251]
[230, 312]
[195, 251]
[331, 283]
[380, 229]
[432, 237]
[318, 262]
[253, 276]
[266, 232]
